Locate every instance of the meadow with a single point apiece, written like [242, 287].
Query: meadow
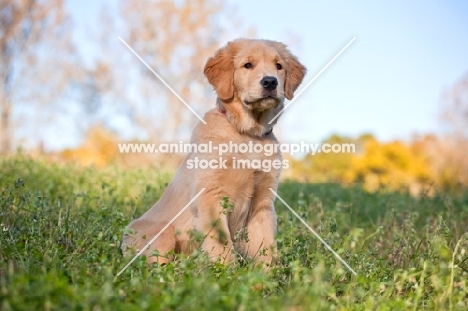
[61, 227]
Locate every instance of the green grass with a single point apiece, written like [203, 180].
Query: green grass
[61, 228]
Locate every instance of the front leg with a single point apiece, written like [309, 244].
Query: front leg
[212, 222]
[259, 243]
[261, 230]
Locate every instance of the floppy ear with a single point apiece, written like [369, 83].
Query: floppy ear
[219, 70]
[295, 72]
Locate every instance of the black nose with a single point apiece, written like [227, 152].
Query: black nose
[269, 83]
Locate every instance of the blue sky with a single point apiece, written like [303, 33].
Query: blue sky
[390, 80]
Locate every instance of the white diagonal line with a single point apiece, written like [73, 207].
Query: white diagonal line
[313, 231]
[162, 230]
[313, 79]
[162, 80]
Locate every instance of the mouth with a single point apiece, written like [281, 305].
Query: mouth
[263, 102]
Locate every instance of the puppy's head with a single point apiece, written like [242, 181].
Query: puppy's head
[257, 74]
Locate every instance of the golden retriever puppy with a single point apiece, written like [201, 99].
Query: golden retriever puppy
[251, 79]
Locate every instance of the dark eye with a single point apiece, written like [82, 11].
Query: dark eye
[248, 65]
[279, 67]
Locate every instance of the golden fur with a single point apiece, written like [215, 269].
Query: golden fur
[244, 108]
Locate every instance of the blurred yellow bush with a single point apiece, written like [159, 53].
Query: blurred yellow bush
[394, 165]
[99, 149]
